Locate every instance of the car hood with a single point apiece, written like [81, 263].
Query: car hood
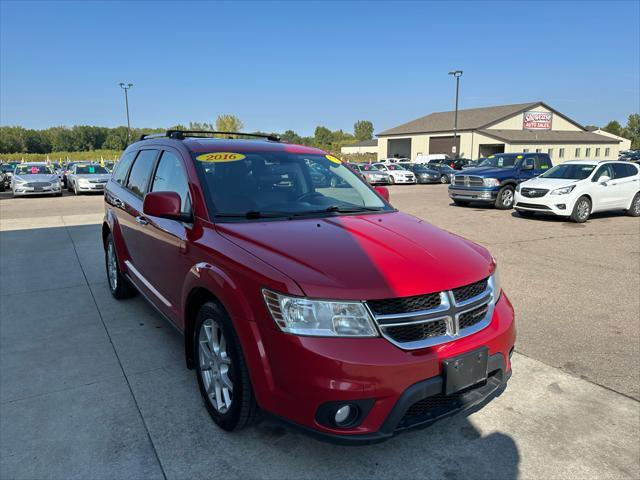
[365, 256]
[94, 176]
[548, 183]
[487, 172]
[47, 177]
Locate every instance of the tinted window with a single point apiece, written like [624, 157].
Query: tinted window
[171, 177]
[620, 170]
[141, 171]
[544, 162]
[90, 169]
[122, 167]
[633, 170]
[574, 171]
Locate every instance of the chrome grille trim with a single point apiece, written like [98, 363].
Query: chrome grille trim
[463, 180]
[449, 312]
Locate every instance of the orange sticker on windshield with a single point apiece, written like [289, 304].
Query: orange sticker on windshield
[333, 159]
[220, 157]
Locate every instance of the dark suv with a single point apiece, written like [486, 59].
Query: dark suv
[297, 299]
[495, 179]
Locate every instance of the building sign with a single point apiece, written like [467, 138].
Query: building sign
[537, 120]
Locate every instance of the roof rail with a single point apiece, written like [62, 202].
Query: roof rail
[182, 134]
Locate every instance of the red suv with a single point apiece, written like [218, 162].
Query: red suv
[320, 306]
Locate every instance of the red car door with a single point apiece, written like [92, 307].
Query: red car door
[165, 259]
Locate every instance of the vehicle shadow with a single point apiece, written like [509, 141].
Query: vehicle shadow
[565, 220]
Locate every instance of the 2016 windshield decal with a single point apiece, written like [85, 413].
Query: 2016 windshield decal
[220, 157]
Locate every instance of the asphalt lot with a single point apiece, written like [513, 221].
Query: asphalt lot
[95, 388]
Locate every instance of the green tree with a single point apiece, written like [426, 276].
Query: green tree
[632, 130]
[291, 137]
[228, 123]
[116, 139]
[37, 141]
[202, 126]
[322, 136]
[613, 127]
[12, 140]
[363, 130]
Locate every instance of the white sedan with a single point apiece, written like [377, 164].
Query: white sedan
[579, 188]
[87, 177]
[396, 173]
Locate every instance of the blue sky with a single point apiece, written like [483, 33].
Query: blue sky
[295, 65]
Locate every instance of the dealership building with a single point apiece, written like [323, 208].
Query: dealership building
[524, 127]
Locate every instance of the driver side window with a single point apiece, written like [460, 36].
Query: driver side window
[603, 171]
[529, 163]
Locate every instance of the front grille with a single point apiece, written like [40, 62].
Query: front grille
[416, 332]
[467, 181]
[533, 192]
[97, 181]
[38, 184]
[532, 205]
[462, 294]
[391, 306]
[472, 317]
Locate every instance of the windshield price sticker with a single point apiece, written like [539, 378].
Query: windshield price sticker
[220, 157]
[34, 170]
[333, 159]
[92, 169]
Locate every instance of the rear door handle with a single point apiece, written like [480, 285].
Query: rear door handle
[142, 221]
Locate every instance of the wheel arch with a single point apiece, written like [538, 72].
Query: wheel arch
[196, 298]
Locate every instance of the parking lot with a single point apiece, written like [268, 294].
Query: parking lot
[95, 388]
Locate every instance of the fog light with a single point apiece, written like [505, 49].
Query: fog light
[343, 414]
[561, 206]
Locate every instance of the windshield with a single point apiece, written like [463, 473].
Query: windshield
[369, 168]
[7, 168]
[569, 171]
[90, 169]
[500, 161]
[33, 170]
[280, 184]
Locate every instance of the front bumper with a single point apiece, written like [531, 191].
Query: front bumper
[473, 194]
[428, 179]
[561, 205]
[19, 191]
[405, 180]
[316, 371]
[379, 181]
[98, 187]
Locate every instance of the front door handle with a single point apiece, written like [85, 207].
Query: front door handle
[142, 221]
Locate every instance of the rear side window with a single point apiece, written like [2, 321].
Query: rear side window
[171, 177]
[122, 167]
[621, 170]
[141, 172]
[545, 163]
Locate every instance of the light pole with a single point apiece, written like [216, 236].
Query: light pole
[457, 74]
[126, 87]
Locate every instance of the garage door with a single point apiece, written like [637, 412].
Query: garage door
[443, 144]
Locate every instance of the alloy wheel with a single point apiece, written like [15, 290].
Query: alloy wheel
[583, 209]
[507, 198]
[112, 266]
[215, 365]
[636, 205]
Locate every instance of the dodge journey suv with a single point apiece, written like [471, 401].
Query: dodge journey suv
[298, 300]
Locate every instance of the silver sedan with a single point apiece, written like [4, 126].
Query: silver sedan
[87, 177]
[35, 179]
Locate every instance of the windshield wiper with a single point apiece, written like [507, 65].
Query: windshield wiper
[346, 209]
[253, 214]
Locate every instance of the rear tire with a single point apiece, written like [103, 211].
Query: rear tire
[634, 210]
[119, 285]
[221, 370]
[504, 201]
[581, 210]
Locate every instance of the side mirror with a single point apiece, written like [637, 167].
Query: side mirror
[526, 167]
[383, 192]
[164, 205]
[603, 180]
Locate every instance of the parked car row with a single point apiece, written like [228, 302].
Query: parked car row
[530, 183]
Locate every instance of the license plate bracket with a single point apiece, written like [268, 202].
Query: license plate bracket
[465, 370]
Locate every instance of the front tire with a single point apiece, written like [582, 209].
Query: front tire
[444, 179]
[581, 210]
[119, 285]
[504, 201]
[221, 370]
[634, 210]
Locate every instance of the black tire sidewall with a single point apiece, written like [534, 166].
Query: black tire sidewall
[631, 212]
[499, 203]
[123, 288]
[242, 393]
[574, 214]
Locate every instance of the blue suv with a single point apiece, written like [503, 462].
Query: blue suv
[495, 179]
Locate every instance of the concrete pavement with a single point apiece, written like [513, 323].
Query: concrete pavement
[95, 388]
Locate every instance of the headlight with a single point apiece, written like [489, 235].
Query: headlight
[490, 182]
[324, 318]
[562, 191]
[517, 187]
[496, 285]
[19, 181]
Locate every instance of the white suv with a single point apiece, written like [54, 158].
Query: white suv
[396, 173]
[579, 188]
